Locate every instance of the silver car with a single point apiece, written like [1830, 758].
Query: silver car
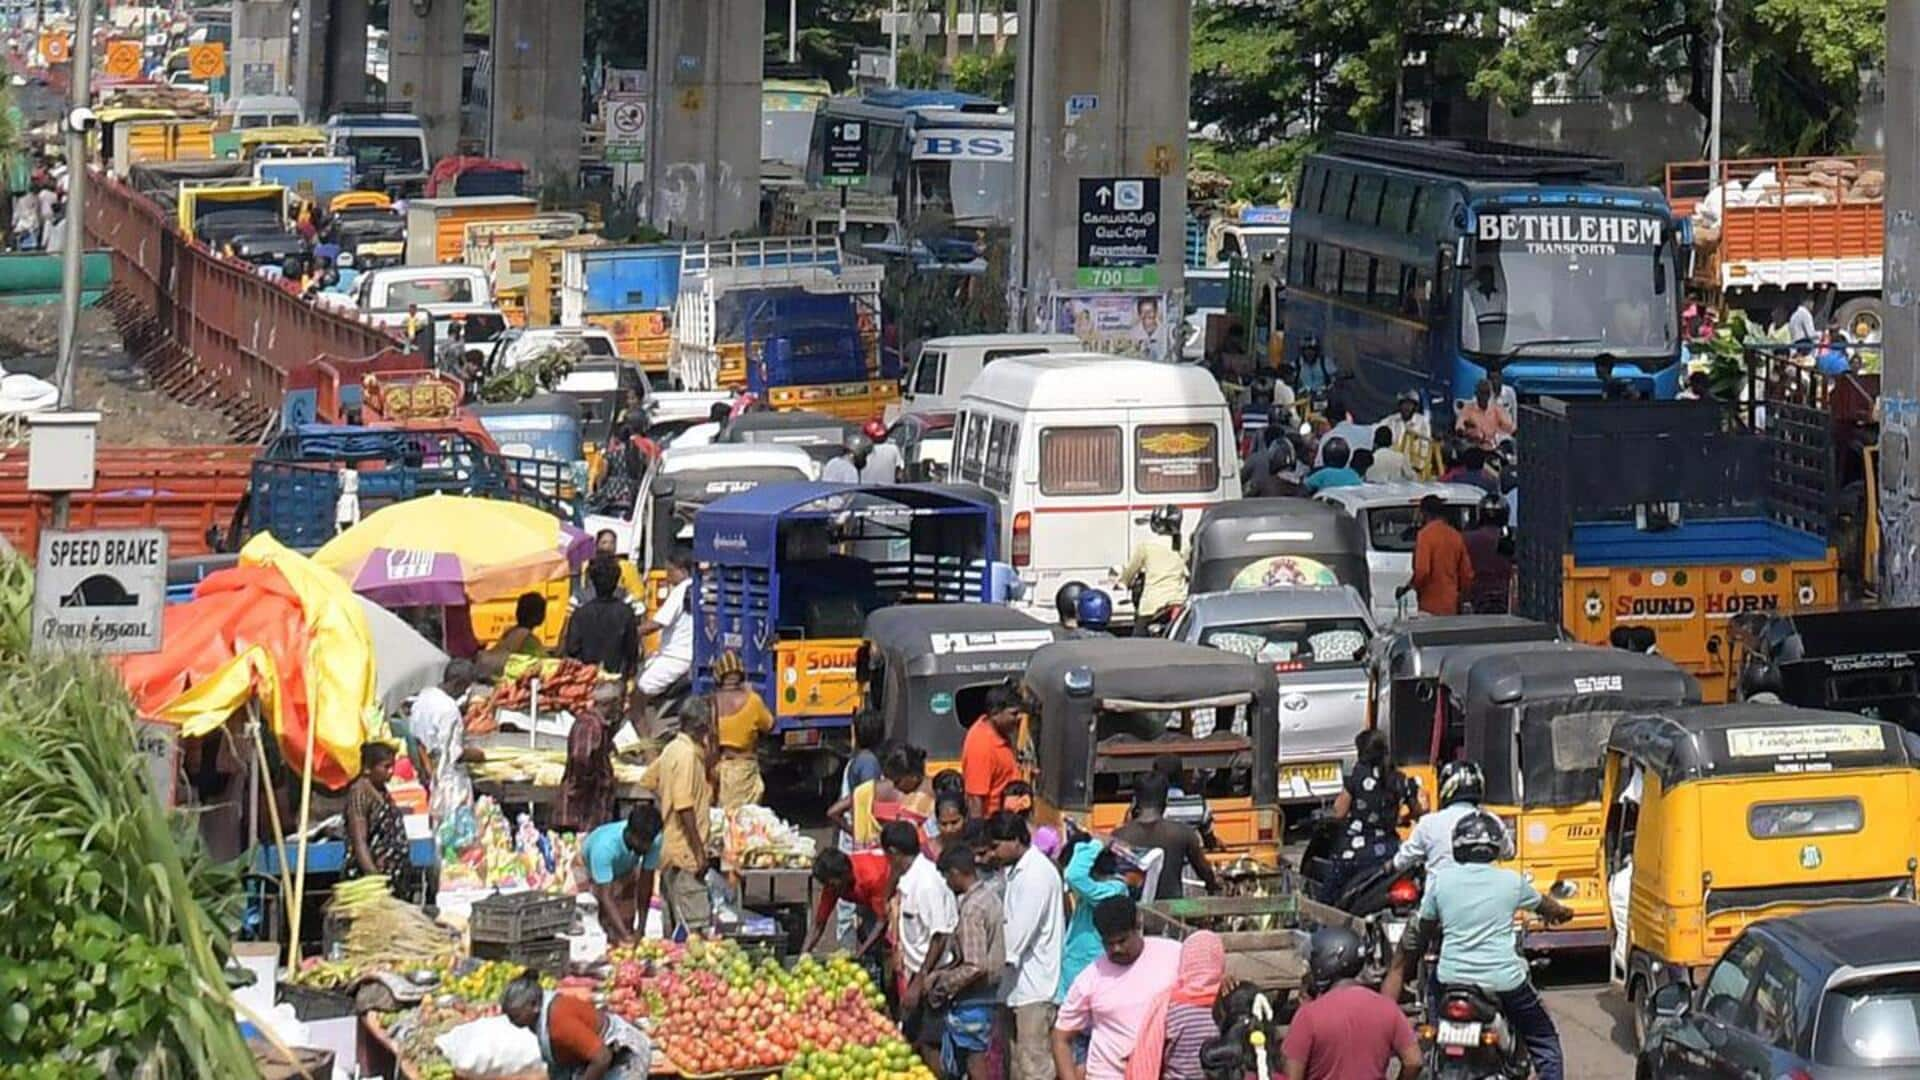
[1316, 639]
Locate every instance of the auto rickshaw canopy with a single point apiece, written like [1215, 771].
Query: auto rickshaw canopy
[1750, 738]
[1535, 715]
[1258, 543]
[1091, 694]
[929, 666]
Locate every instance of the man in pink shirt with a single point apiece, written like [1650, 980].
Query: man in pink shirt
[1484, 420]
[1111, 998]
[1348, 1031]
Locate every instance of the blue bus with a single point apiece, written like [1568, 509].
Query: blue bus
[1423, 263]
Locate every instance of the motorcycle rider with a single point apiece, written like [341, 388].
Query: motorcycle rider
[1347, 1029]
[1462, 788]
[1471, 903]
[1159, 562]
[1067, 603]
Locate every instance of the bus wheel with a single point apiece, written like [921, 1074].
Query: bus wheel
[1861, 317]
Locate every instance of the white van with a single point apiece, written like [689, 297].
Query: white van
[385, 294]
[948, 365]
[1081, 448]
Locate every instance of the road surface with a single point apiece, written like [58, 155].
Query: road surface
[1595, 1030]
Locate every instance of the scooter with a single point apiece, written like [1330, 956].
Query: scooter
[1472, 1039]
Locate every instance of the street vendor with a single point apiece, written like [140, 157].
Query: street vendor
[439, 730]
[895, 795]
[523, 638]
[376, 833]
[743, 719]
[674, 623]
[618, 861]
[577, 1040]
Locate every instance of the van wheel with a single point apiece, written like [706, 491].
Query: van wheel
[1640, 1000]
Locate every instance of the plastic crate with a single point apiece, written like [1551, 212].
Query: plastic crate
[520, 917]
[549, 955]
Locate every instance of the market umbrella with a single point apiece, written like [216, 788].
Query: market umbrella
[404, 663]
[453, 550]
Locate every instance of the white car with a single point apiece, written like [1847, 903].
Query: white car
[1389, 514]
[516, 347]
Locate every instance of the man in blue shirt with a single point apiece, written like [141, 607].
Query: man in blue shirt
[1472, 904]
[620, 858]
[1335, 452]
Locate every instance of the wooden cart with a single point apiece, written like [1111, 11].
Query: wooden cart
[1265, 936]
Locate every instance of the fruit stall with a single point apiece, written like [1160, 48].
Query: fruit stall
[712, 1009]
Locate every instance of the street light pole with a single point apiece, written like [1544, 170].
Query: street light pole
[73, 238]
[893, 46]
[793, 31]
[1719, 78]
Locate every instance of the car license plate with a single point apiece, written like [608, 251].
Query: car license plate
[1453, 1033]
[1315, 772]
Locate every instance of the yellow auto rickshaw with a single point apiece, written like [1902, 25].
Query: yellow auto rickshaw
[1721, 816]
[1104, 709]
[1535, 716]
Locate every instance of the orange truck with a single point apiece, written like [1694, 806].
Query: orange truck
[183, 489]
[1765, 228]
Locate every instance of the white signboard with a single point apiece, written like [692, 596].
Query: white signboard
[626, 119]
[100, 590]
[963, 144]
[1811, 739]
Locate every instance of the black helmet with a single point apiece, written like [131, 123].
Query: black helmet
[1166, 520]
[1334, 953]
[1281, 456]
[1067, 600]
[858, 444]
[1478, 838]
[1462, 781]
[1493, 510]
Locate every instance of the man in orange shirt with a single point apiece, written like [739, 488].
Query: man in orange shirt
[1483, 420]
[1442, 569]
[987, 761]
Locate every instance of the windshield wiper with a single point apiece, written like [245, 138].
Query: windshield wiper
[1535, 343]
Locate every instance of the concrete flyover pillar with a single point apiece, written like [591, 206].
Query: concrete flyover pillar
[262, 61]
[332, 65]
[1101, 95]
[703, 153]
[423, 66]
[1900, 373]
[537, 107]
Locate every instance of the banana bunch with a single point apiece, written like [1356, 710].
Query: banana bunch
[360, 894]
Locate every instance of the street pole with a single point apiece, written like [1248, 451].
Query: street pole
[793, 31]
[893, 46]
[1719, 77]
[73, 239]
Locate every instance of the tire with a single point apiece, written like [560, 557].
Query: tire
[1640, 1000]
[1869, 310]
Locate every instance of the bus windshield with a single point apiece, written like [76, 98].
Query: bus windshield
[399, 153]
[1546, 281]
[785, 136]
[972, 192]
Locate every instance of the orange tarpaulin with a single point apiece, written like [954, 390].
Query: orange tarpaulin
[275, 627]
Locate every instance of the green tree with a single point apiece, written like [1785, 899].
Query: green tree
[918, 69]
[986, 74]
[479, 16]
[1805, 57]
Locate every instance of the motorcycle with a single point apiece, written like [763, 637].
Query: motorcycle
[1472, 1039]
[1385, 900]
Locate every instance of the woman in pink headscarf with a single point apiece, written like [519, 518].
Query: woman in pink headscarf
[1181, 1021]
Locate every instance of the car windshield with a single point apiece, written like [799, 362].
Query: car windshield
[1395, 528]
[437, 290]
[971, 192]
[399, 153]
[1557, 282]
[1294, 644]
[1871, 1025]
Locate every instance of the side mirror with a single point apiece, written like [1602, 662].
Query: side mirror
[1670, 1002]
[1563, 890]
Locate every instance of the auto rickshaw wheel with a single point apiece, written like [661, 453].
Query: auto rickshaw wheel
[1640, 1000]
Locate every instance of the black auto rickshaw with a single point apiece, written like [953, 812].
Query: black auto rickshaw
[1105, 708]
[1535, 716]
[927, 668]
[1403, 669]
[1860, 660]
[1264, 543]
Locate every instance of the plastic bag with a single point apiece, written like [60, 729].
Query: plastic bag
[490, 1046]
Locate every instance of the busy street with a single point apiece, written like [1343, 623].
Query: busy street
[889, 540]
